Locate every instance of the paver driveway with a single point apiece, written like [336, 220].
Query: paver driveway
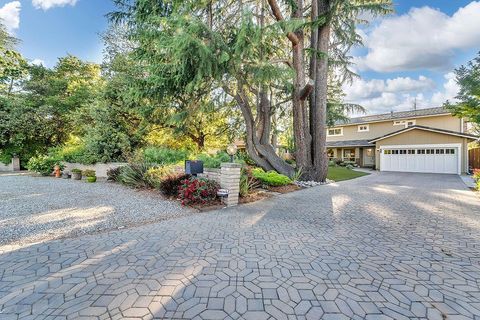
[383, 246]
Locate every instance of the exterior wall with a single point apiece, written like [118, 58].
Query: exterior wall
[418, 137]
[378, 129]
[100, 168]
[6, 167]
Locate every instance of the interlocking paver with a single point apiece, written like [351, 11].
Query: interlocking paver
[387, 246]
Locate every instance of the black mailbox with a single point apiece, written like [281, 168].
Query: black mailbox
[193, 167]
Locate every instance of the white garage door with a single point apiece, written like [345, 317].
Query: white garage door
[430, 159]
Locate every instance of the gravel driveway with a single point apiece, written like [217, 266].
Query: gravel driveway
[386, 246]
[34, 209]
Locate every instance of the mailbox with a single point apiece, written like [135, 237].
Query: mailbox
[193, 167]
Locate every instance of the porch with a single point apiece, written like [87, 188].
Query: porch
[355, 152]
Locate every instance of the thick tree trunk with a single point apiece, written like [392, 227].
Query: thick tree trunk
[319, 106]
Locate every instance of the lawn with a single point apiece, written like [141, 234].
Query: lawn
[342, 173]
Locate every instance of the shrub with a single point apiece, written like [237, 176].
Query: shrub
[247, 182]
[170, 184]
[112, 174]
[349, 166]
[478, 185]
[42, 164]
[155, 175]
[332, 163]
[271, 178]
[476, 174]
[198, 191]
[214, 161]
[135, 175]
[74, 153]
[245, 158]
[89, 173]
[76, 170]
[164, 156]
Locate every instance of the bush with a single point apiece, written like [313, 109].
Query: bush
[42, 164]
[245, 158]
[135, 175]
[75, 153]
[214, 161]
[89, 173]
[271, 178]
[112, 174]
[155, 175]
[76, 170]
[478, 185]
[198, 191]
[247, 182]
[164, 156]
[170, 184]
[332, 163]
[349, 166]
[476, 174]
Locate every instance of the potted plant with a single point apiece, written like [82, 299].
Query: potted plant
[76, 174]
[90, 174]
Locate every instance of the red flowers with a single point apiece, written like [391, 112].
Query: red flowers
[197, 191]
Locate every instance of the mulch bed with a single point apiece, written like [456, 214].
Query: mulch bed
[285, 189]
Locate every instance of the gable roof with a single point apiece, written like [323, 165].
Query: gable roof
[424, 128]
[396, 116]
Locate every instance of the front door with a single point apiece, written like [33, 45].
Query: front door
[368, 157]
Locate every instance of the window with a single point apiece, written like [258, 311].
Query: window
[349, 153]
[335, 132]
[411, 151]
[394, 151]
[363, 128]
[387, 151]
[430, 151]
[450, 151]
[421, 151]
[405, 123]
[440, 151]
[403, 151]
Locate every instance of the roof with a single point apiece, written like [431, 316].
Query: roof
[349, 143]
[443, 131]
[396, 115]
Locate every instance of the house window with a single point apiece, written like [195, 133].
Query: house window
[349, 153]
[335, 132]
[405, 123]
[363, 128]
[450, 151]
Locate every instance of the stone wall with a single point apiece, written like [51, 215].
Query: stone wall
[100, 168]
[5, 167]
[212, 174]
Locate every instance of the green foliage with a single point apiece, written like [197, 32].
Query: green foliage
[76, 170]
[89, 173]
[214, 161]
[112, 174]
[248, 182]
[468, 78]
[42, 164]
[136, 175]
[74, 153]
[271, 178]
[170, 184]
[155, 175]
[164, 156]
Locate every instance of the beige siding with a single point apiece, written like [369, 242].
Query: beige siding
[378, 129]
[418, 137]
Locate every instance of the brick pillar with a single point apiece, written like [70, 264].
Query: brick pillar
[16, 163]
[230, 180]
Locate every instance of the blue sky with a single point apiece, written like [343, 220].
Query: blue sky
[408, 56]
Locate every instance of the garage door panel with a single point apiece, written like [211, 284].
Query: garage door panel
[431, 159]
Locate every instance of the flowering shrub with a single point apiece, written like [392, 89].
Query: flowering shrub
[476, 174]
[198, 191]
[170, 184]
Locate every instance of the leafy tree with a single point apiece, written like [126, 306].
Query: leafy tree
[468, 78]
[12, 65]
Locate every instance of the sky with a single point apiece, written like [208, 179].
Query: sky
[408, 57]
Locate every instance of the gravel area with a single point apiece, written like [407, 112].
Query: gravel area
[36, 209]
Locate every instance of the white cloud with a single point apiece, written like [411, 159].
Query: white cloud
[364, 89]
[401, 93]
[424, 38]
[47, 4]
[10, 15]
[37, 62]
[450, 90]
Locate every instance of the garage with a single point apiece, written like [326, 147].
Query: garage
[424, 159]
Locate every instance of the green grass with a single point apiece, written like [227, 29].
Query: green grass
[342, 173]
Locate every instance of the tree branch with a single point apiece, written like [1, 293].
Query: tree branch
[277, 13]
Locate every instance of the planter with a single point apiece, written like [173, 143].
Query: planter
[66, 175]
[91, 179]
[76, 175]
[58, 171]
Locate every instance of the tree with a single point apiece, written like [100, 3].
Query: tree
[12, 65]
[468, 78]
[242, 48]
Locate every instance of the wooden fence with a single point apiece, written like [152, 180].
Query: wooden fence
[474, 158]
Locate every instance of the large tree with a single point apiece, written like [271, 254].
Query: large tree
[468, 78]
[257, 52]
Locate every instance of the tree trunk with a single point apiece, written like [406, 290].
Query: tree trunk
[319, 112]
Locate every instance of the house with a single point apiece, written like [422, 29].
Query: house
[425, 140]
